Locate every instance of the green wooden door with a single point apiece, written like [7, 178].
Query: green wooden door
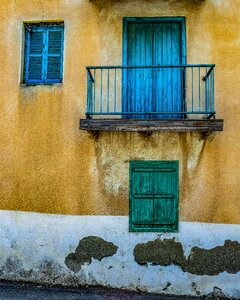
[153, 195]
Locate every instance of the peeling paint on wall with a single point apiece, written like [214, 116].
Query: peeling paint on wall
[200, 261]
[88, 248]
[23, 257]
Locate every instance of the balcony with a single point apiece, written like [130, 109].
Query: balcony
[151, 98]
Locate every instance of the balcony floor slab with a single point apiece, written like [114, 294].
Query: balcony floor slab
[177, 125]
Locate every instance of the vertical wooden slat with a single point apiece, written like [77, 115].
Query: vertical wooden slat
[213, 95]
[140, 104]
[199, 89]
[206, 92]
[108, 89]
[158, 60]
[101, 89]
[176, 86]
[148, 73]
[94, 98]
[115, 90]
[192, 88]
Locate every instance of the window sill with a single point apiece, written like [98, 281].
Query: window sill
[25, 85]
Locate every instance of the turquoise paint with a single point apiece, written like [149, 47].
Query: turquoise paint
[153, 42]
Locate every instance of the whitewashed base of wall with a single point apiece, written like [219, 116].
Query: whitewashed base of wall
[36, 247]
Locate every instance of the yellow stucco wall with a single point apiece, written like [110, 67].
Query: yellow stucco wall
[48, 165]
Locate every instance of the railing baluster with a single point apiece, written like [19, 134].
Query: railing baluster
[108, 95]
[185, 90]
[87, 113]
[94, 98]
[192, 88]
[115, 91]
[199, 90]
[89, 94]
[210, 90]
[101, 90]
[206, 91]
[213, 108]
[209, 94]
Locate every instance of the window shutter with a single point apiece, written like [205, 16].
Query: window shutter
[153, 195]
[165, 195]
[142, 197]
[34, 56]
[54, 55]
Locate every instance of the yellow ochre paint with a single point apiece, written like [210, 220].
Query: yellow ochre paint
[48, 165]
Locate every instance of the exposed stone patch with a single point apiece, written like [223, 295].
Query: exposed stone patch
[164, 253]
[215, 260]
[88, 248]
[200, 261]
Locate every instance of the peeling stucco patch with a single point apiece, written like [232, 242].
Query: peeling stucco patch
[164, 253]
[200, 261]
[88, 248]
[215, 260]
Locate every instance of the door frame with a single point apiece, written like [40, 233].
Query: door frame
[126, 21]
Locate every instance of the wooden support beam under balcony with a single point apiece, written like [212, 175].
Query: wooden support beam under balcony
[177, 125]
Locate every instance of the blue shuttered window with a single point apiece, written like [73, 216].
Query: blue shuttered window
[43, 53]
[153, 196]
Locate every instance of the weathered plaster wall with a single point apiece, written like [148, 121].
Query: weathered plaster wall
[48, 165]
[75, 250]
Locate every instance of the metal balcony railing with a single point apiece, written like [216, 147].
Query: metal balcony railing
[154, 92]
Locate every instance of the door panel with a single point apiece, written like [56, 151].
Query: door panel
[152, 90]
[140, 81]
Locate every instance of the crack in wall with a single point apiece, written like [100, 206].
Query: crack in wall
[42, 10]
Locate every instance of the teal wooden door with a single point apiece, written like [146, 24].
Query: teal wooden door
[153, 195]
[153, 42]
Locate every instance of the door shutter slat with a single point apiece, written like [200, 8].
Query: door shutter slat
[36, 42]
[35, 68]
[55, 42]
[54, 68]
[34, 56]
[54, 61]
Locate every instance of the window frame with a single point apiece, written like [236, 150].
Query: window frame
[45, 28]
[156, 227]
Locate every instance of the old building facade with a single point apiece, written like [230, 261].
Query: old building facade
[144, 195]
